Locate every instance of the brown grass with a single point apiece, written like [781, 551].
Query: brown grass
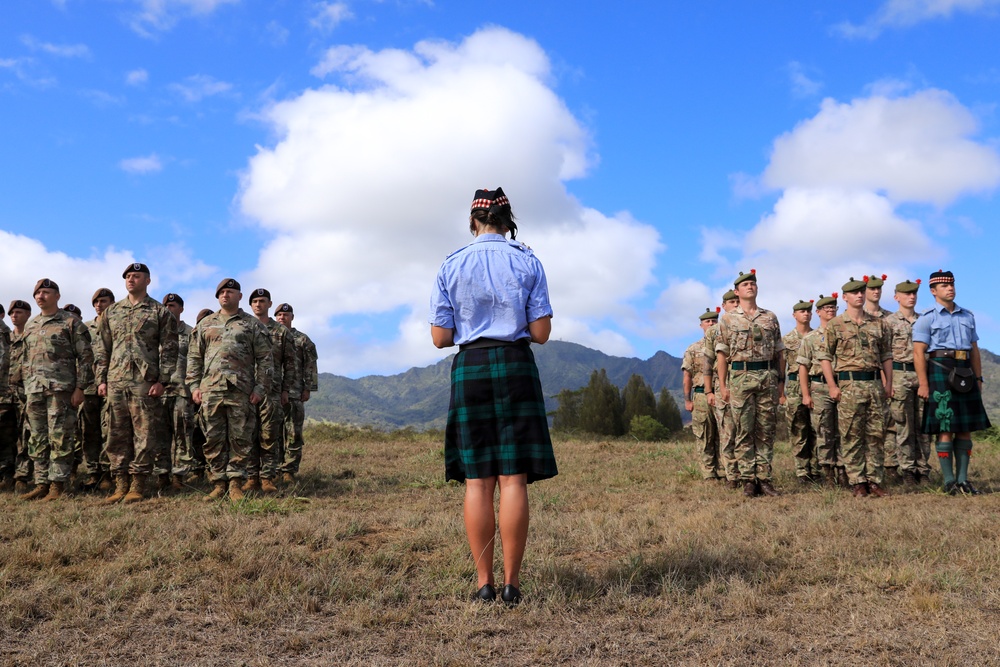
[632, 561]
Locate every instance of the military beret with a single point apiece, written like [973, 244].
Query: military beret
[803, 305]
[70, 308]
[853, 285]
[202, 314]
[284, 308]
[135, 267]
[17, 304]
[173, 298]
[101, 293]
[908, 287]
[827, 300]
[942, 277]
[874, 281]
[743, 277]
[45, 283]
[227, 283]
[258, 293]
[709, 314]
[729, 296]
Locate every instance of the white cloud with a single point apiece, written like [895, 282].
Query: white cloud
[136, 77]
[372, 181]
[102, 98]
[199, 86]
[150, 17]
[328, 15]
[277, 34]
[907, 13]
[58, 50]
[802, 84]
[147, 164]
[24, 69]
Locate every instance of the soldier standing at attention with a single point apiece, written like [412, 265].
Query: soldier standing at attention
[723, 415]
[91, 425]
[266, 453]
[907, 410]
[702, 420]
[228, 373]
[750, 364]
[857, 348]
[947, 335]
[19, 312]
[8, 412]
[800, 432]
[56, 364]
[873, 295]
[177, 457]
[135, 361]
[305, 381]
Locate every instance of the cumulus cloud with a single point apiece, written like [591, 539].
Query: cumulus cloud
[149, 17]
[147, 164]
[136, 77]
[371, 177]
[58, 50]
[328, 15]
[907, 13]
[199, 86]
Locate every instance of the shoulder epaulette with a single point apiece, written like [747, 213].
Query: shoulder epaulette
[520, 246]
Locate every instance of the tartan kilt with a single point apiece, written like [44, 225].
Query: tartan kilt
[967, 411]
[496, 419]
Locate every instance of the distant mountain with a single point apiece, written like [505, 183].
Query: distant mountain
[419, 397]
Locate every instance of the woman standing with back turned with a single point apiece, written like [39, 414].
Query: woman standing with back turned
[491, 299]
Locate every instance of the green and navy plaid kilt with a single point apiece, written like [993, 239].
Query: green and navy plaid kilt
[967, 413]
[496, 419]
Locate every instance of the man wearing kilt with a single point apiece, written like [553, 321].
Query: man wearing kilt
[491, 299]
[946, 334]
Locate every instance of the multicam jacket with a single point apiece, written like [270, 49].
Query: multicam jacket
[792, 341]
[901, 332]
[742, 338]
[856, 347]
[694, 363]
[95, 340]
[283, 356]
[230, 352]
[178, 381]
[138, 343]
[56, 354]
[6, 394]
[306, 370]
[808, 355]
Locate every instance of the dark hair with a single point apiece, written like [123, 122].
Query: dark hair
[498, 217]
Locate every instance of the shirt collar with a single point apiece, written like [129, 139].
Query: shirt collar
[939, 308]
[490, 236]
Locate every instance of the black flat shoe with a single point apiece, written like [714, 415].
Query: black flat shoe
[510, 595]
[486, 594]
[968, 489]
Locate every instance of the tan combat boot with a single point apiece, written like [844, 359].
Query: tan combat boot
[105, 484]
[177, 483]
[218, 490]
[267, 485]
[134, 494]
[288, 478]
[55, 491]
[235, 492]
[20, 486]
[40, 491]
[121, 488]
[252, 484]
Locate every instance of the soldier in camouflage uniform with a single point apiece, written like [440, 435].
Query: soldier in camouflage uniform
[858, 347]
[229, 372]
[19, 312]
[702, 420]
[801, 436]
[266, 454]
[906, 408]
[816, 395]
[305, 382]
[750, 364]
[8, 412]
[873, 296]
[92, 426]
[56, 364]
[722, 411]
[179, 457]
[135, 361]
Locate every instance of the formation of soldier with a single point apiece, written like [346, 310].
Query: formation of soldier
[863, 393]
[137, 401]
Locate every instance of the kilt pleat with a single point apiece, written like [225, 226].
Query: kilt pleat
[496, 417]
[948, 411]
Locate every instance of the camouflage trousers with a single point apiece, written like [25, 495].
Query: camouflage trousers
[295, 417]
[706, 433]
[23, 466]
[754, 402]
[824, 425]
[92, 430]
[228, 420]
[727, 437]
[137, 429]
[862, 429]
[180, 456]
[801, 436]
[266, 452]
[890, 452]
[53, 435]
[8, 438]
[907, 411]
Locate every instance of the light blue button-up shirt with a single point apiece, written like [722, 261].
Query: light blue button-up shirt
[491, 288]
[941, 330]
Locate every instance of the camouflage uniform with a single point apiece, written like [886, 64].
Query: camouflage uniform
[854, 348]
[702, 420]
[801, 435]
[266, 453]
[723, 413]
[229, 358]
[180, 457]
[138, 349]
[306, 377]
[23, 467]
[824, 410]
[92, 426]
[907, 410]
[889, 447]
[751, 346]
[8, 409]
[56, 360]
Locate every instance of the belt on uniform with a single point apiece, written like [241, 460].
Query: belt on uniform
[864, 376]
[751, 365]
[960, 355]
[817, 378]
[492, 342]
[699, 390]
[901, 366]
[793, 376]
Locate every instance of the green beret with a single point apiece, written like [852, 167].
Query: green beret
[827, 300]
[729, 296]
[745, 276]
[874, 281]
[803, 305]
[709, 314]
[908, 287]
[853, 285]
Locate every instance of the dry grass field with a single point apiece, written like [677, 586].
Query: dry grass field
[632, 560]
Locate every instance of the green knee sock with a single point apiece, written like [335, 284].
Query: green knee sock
[944, 452]
[963, 452]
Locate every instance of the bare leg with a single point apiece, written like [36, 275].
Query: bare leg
[513, 525]
[480, 525]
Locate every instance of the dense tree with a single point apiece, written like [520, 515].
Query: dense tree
[667, 412]
[638, 399]
[601, 406]
[646, 428]
[567, 415]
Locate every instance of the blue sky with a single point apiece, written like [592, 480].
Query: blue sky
[329, 150]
